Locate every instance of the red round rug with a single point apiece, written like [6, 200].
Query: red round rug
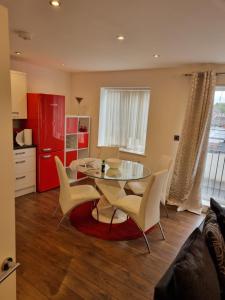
[82, 219]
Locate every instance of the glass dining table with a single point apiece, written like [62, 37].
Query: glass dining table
[112, 183]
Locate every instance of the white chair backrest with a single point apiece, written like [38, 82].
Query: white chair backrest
[165, 163]
[108, 152]
[65, 193]
[149, 213]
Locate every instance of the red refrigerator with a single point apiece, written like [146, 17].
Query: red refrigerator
[45, 116]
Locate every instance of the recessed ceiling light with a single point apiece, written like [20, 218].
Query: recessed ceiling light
[18, 53]
[156, 55]
[55, 3]
[120, 37]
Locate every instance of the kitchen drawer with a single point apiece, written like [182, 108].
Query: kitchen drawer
[25, 152]
[26, 164]
[24, 180]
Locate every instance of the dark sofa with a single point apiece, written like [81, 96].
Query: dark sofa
[198, 271]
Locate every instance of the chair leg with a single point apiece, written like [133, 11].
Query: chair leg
[162, 232]
[55, 210]
[146, 241]
[110, 226]
[166, 210]
[60, 222]
[145, 237]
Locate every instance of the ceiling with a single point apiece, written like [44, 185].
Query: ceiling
[82, 33]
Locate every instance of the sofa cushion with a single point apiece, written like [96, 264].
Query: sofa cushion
[216, 246]
[220, 213]
[192, 275]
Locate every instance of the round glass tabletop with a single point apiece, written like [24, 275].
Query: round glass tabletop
[128, 170]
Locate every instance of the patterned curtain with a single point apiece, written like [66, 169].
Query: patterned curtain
[185, 191]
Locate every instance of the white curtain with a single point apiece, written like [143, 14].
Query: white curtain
[123, 118]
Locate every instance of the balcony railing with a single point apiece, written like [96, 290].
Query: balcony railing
[213, 184]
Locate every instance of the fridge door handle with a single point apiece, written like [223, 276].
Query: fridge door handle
[47, 149]
[46, 156]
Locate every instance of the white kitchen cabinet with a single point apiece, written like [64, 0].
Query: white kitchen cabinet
[19, 94]
[25, 171]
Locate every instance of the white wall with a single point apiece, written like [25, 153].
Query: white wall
[169, 95]
[45, 80]
[7, 203]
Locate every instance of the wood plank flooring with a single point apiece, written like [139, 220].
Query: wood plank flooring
[68, 265]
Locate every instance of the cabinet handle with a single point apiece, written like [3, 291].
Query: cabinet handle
[20, 153]
[46, 156]
[46, 149]
[20, 162]
[21, 177]
[15, 112]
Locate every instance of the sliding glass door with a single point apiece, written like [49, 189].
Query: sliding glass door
[213, 184]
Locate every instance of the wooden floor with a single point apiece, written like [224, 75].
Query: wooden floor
[69, 265]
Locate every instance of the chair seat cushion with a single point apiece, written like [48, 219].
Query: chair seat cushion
[84, 193]
[130, 204]
[192, 275]
[137, 187]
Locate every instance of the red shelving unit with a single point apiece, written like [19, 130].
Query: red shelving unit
[77, 131]
[83, 140]
[71, 125]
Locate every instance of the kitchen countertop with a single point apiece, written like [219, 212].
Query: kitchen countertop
[17, 147]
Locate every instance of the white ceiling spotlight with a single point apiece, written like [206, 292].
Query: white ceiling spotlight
[120, 37]
[55, 3]
[156, 55]
[18, 53]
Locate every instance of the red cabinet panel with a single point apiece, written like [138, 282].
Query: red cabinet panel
[51, 123]
[71, 125]
[70, 156]
[32, 121]
[82, 140]
[47, 172]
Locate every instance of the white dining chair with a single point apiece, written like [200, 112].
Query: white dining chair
[72, 196]
[144, 211]
[139, 187]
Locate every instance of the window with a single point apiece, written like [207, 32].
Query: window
[213, 183]
[123, 118]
